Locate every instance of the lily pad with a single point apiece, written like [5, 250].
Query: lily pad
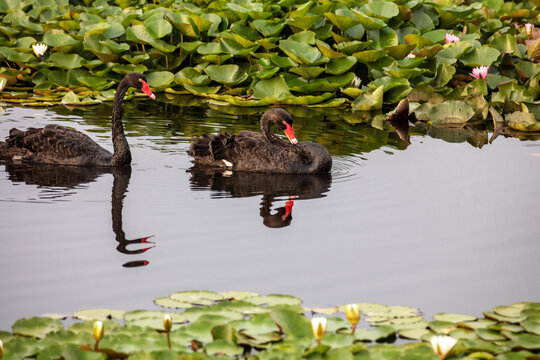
[99, 314]
[230, 75]
[37, 327]
[456, 318]
[452, 112]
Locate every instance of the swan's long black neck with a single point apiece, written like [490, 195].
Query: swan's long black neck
[122, 155]
[266, 122]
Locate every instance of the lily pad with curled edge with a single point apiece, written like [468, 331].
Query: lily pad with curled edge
[455, 318]
[291, 323]
[522, 121]
[378, 333]
[369, 100]
[452, 112]
[37, 327]
[483, 56]
[99, 314]
[201, 328]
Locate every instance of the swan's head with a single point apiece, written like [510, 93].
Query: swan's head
[139, 82]
[283, 120]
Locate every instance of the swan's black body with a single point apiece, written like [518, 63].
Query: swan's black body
[55, 144]
[264, 151]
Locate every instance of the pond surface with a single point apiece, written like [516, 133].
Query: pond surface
[448, 223]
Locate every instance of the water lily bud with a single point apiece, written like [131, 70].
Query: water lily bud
[1, 349]
[98, 330]
[529, 28]
[353, 313]
[167, 322]
[442, 345]
[318, 326]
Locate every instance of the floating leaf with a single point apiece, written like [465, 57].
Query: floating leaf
[451, 112]
[292, 324]
[456, 318]
[230, 75]
[522, 121]
[275, 88]
[36, 327]
[483, 56]
[99, 314]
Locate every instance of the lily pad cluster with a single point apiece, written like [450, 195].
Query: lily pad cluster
[230, 325]
[365, 53]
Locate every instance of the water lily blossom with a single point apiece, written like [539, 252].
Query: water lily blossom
[318, 326]
[411, 56]
[442, 345]
[356, 81]
[353, 315]
[98, 333]
[39, 49]
[529, 28]
[1, 349]
[480, 72]
[451, 38]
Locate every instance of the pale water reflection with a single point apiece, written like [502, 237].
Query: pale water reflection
[444, 226]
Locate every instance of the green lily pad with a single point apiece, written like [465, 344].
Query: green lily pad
[369, 100]
[99, 314]
[483, 56]
[378, 333]
[490, 335]
[522, 121]
[275, 299]
[171, 303]
[37, 327]
[223, 347]
[67, 61]
[275, 88]
[292, 324]
[196, 297]
[455, 318]
[55, 37]
[230, 75]
[451, 112]
[160, 79]
[414, 334]
[300, 52]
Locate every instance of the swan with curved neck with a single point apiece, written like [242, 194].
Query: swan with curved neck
[264, 151]
[55, 144]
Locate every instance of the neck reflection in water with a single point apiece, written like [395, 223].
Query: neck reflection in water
[272, 187]
[56, 179]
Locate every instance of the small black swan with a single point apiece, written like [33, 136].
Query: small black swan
[55, 144]
[264, 151]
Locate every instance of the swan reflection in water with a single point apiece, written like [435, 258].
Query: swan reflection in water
[272, 187]
[58, 181]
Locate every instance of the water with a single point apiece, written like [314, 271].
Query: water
[445, 226]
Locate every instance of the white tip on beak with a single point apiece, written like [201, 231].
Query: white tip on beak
[153, 97]
[293, 141]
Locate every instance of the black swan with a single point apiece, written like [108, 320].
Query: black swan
[264, 151]
[55, 144]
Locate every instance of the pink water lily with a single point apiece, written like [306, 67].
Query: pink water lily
[529, 28]
[451, 38]
[480, 72]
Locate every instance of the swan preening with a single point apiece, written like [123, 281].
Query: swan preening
[264, 151]
[55, 144]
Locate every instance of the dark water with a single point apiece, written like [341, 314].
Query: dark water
[448, 223]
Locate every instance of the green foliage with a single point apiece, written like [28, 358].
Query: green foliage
[234, 325]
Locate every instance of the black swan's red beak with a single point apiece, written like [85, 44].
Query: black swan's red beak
[290, 134]
[288, 209]
[146, 89]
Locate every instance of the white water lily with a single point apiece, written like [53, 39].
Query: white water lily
[1, 349]
[442, 345]
[356, 81]
[411, 56]
[39, 49]
[318, 326]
